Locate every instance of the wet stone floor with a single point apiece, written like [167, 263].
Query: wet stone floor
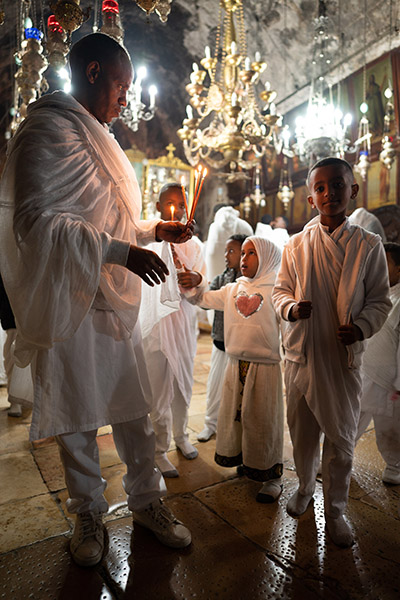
[241, 550]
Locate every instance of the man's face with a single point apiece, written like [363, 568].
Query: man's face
[331, 188]
[232, 254]
[171, 205]
[109, 89]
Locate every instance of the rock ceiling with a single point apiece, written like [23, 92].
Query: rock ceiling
[281, 30]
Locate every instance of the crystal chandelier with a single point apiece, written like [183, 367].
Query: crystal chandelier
[135, 109]
[224, 123]
[161, 7]
[323, 130]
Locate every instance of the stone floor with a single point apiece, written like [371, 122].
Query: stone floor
[241, 550]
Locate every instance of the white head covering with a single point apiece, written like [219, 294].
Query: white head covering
[368, 221]
[269, 259]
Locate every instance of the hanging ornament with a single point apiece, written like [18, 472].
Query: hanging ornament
[388, 153]
[29, 77]
[163, 9]
[2, 13]
[57, 47]
[69, 14]
[111, 20]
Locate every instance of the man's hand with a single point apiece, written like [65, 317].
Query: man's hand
[147, 264]
[173, 231]
[301, 310]
[189, 279]
[348, 334]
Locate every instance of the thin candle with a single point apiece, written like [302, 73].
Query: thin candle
[184, 197]
[197, 196]
[172, 212]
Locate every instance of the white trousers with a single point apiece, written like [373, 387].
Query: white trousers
[79, 453]
[305, 433]
[215, 384]
[169, 417]
[387, 431]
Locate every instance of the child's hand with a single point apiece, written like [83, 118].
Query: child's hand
[301, 310]
[189, 279]
[173, 231]
[348, 334]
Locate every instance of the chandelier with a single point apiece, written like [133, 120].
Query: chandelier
[224, 123]
[323, 130]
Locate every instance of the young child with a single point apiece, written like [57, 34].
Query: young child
[250, 419]
[332, 290]
[219, 358]
[380, 374]
[170, 341]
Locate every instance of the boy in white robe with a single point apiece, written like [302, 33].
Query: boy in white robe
[170, 344]
[71, 265]
[380, 375]
[332, 291]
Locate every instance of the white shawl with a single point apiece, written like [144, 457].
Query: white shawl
[67, 188]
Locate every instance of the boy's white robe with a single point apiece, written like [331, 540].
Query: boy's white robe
[171, 326]
[380, 369]
[344, 275]
[71, 197]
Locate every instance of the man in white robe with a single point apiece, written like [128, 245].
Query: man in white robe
[332, 291]
[169, 341]
[380, 376]
[70, 210]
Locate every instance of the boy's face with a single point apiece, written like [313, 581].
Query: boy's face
[171, 198]
[249, 259]
[232, 254]
[394, 270]
[331, 188]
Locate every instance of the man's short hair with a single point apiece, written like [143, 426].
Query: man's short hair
[237, 237]
[266, 219]
[98, 47]
[325, 162]
[394, 250]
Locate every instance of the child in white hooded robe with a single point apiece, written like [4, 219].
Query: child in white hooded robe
[250, 420]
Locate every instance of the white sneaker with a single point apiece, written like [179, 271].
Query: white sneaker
[87, 543]
[270, 491]
[206, 434]
[188, 451]
[165, 465]
[340, 531]
[15, 410]
[160, 520]
[298, 504]
[391, 475]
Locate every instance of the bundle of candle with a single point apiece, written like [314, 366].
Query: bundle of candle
[199, 176]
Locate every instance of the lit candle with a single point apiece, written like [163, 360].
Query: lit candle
[172, 212]
[189, 111]
[257, 57]
[196, 198]
[233, 47]
[152, 94]
[247, 64]
[234, 99]
[184, 196]
[207, 52]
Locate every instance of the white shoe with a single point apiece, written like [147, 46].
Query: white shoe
[15, 410]
[270, 491]
[340, 531]
[391, 475]
[188, 451]
[87, 542]
[165, 465]
[206, 434]
[161, 521]
[298, 504]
